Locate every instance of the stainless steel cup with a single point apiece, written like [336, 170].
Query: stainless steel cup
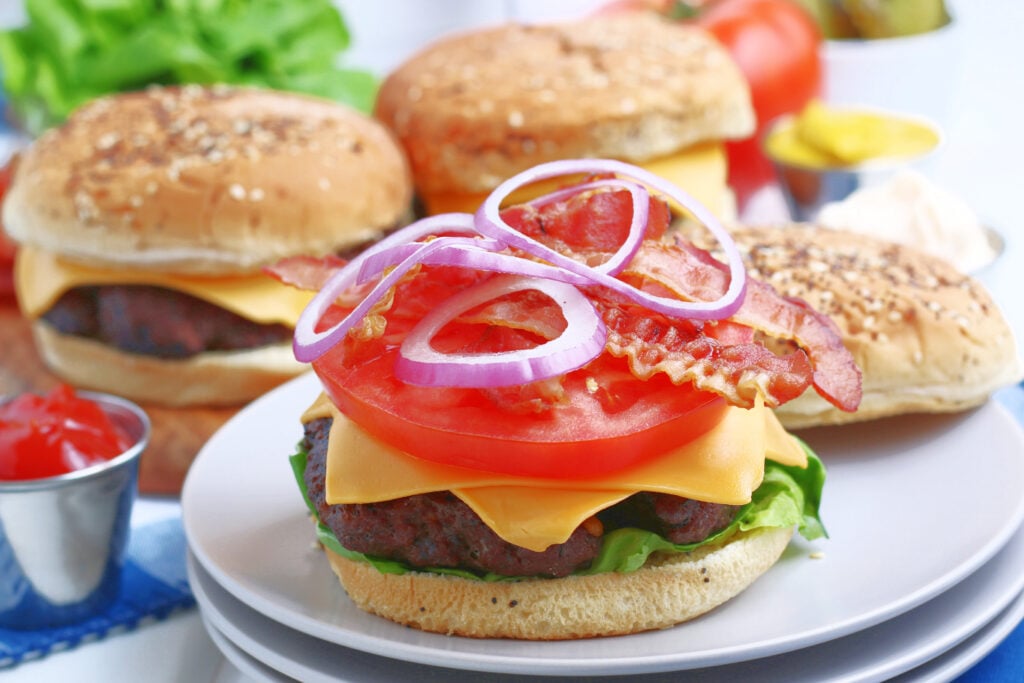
[806, 189]
[62, 539]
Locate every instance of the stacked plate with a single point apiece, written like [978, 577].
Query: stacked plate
[919, 579]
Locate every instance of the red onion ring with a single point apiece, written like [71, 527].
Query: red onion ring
[490, 223]
[582, 340]
[308, 344]
[469, 253]
[618, 260]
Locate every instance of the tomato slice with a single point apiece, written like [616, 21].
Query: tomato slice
[593, 421]
[602, 420]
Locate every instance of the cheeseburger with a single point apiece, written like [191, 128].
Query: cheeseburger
[552, 420]
[474, 109]
[144, 222]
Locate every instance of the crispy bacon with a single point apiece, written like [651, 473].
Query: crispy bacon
[693, 274]
[310, 273]
[736, 371]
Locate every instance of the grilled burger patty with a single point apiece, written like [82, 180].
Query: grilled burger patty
[439, 530]
[155, 321]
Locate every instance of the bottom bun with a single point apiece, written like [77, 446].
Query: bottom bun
[213, 378]
[668, 590]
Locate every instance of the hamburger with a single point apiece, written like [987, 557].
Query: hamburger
[145, 220]
[927, 337]
[552, 420]
[476, 108]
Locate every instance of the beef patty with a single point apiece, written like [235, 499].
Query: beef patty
[155, 321]
[439, 530]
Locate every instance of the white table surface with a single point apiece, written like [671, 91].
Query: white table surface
[982, 163]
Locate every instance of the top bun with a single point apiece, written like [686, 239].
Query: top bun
[207, 180]
[477, 108]
[926, 337]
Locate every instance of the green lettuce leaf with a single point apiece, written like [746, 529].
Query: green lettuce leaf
[788, 497]
[71, 51]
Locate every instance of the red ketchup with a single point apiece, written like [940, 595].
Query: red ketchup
[46, 436]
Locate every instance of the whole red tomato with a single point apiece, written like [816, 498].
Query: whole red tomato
[775, 43]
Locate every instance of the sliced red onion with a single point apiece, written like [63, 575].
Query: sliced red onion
[582, 340]
[382, 259]
[469, 253]
[490, 222]
[626, 251]
[308, 344]
[480, 242]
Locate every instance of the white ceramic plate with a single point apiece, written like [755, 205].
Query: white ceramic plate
[944, 636]
[959, 660]
[239, 666]
[913, 506]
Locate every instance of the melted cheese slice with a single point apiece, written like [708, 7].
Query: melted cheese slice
[724, 465]
[41, 278]
[700, 170]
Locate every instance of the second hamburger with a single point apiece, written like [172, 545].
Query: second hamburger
[145, 220]
[474, 109]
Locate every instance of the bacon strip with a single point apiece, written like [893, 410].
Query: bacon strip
[308, 273]
[738, 372]
[693, 274]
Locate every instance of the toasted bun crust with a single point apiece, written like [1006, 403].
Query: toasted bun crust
[666, 591]
[207, 180]
[477, 108]
[926, 337]
[219, 378]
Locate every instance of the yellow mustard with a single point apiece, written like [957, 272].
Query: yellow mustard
[825, 137]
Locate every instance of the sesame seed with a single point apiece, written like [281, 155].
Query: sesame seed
[516, 118]
[107, 141]
[256, 194]
[236, 191]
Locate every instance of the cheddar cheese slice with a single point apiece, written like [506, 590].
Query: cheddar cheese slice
[724, 465]
[701, 170]
[41, 278]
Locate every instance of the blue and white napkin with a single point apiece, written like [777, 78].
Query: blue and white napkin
[154, 585]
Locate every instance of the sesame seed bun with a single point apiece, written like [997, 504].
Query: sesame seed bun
[668, 590]
[207, 180]
[926, 337]
[477, 108]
